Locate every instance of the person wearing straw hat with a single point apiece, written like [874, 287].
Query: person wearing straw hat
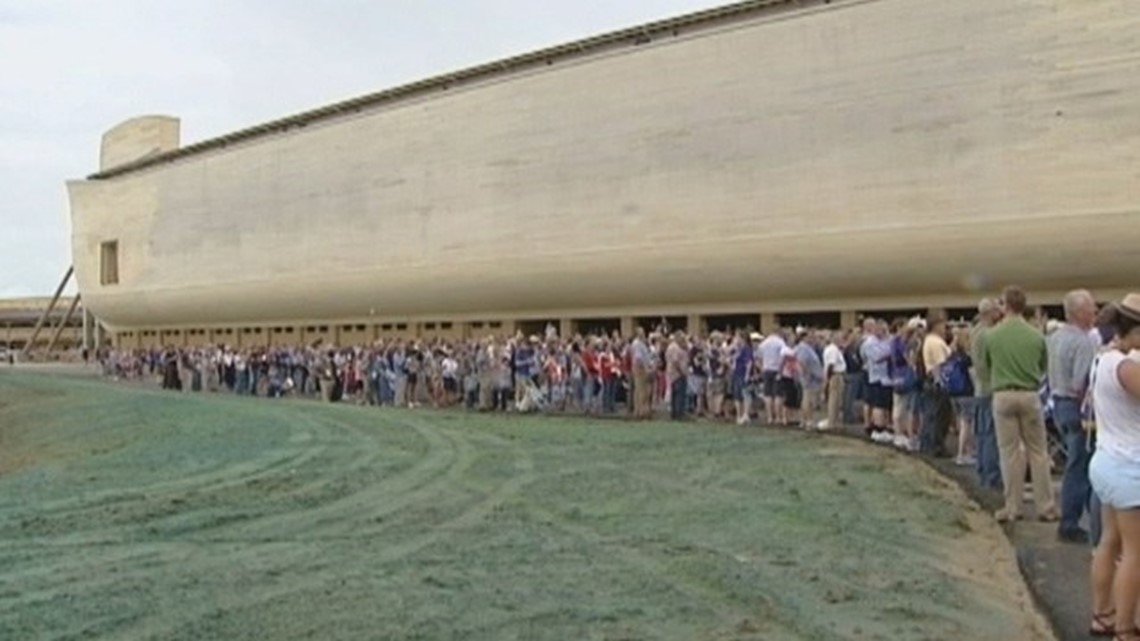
[1115, 475]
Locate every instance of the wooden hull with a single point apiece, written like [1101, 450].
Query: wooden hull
[865, 150]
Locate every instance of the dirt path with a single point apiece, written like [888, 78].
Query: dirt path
[137, 515]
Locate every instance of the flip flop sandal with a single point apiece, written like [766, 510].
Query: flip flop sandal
[1103, 625]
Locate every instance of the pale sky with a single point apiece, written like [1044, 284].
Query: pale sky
[71, 69]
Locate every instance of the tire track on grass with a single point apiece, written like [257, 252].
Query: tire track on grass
[119, 550]
[163, 625]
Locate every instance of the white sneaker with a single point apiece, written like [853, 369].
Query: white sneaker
[902, 442]
[881, 437]
[823, 425]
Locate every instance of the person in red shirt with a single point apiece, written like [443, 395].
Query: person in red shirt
[609, 369]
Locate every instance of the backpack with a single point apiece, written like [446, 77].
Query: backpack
[956, 376]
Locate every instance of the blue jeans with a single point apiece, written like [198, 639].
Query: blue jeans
[591, 393]
[1075, 488]
[852, 393]
[609, 395]
[937, 414]
[678, 398]
[242, 382]
[989, 464]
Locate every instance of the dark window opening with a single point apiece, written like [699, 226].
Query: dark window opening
[109, 263]
[728, 323]
[597, 326]
[536, 327]
[890, 315]
[1055, 312]
[662, 324]
[815, 320]
[445, 325]
[401, 327]
[962, 314]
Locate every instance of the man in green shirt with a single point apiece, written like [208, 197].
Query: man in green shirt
[1014, 353]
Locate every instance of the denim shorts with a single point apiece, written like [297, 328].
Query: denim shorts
[739, 387]
[1116, 480]
[963, 406]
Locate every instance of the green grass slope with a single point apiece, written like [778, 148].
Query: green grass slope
[133, 514]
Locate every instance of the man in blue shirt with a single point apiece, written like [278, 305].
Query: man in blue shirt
[741, 369]
[524, 356]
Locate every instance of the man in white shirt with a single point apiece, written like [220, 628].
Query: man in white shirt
[835, 373]
[771, 356]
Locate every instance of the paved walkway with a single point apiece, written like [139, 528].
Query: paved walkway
[1057, 573]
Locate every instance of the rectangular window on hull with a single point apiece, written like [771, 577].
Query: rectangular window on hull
[109, 263]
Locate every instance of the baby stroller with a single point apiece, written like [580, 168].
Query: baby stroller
[533, 399]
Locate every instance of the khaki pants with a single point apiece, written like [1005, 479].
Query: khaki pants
[715, 396]
[1017, 422]
[836, 389]
[642, 393]
[486, 390]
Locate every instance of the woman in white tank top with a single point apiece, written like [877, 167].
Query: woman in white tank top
[1115, 475]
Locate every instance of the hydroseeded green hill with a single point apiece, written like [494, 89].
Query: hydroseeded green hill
[128, 513]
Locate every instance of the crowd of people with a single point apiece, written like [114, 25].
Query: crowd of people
[985, 389]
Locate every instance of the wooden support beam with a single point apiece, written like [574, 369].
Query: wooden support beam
[63, 323]
[47, 312]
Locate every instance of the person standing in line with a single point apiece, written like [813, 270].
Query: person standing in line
[988, 465]
[677, 372]
[876, 353]
[937, 413]
[959, 384]
[643, 370]
[771, 350]
[1115, 476]
[485, 372]
[835, 373]
[1071, 353]
[1015, 354]
[811, 377]
[742, 362]
[718, 376]
[870, 327]
[854, 395]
